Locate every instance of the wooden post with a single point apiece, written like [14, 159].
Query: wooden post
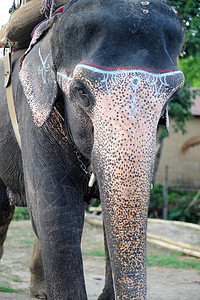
[165, 193]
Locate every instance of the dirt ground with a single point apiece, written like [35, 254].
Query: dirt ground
[163, 283]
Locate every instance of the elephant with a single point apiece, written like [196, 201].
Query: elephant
[89, 93]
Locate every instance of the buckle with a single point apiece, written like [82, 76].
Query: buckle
[7, 42]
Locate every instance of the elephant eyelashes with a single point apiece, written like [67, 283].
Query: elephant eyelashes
[80, 93]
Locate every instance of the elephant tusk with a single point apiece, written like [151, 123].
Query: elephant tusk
[92, 180]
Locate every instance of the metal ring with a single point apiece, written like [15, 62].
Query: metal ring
[7, 42]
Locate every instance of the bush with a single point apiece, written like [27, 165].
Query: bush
[178, 202]
[21, 213]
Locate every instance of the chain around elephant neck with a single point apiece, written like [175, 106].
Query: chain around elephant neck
[77, 152]
[82, 165]
[85, 170]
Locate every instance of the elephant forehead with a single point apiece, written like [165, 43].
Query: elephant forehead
[129, 102]
[130, 86]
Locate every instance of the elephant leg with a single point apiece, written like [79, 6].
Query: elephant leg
[37, 284]
[6, 213]
[61, 252]
[3, 233]
[108, 291]
[55, 190]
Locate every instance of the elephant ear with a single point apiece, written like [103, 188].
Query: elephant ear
[38, 79]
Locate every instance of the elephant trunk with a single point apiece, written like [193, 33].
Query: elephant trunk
[125, 122]
[125, 181]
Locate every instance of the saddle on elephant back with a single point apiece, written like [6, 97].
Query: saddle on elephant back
[25, 15]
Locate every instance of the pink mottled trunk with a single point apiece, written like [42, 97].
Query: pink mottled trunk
[125, 187]
[125, 122]
[127, 107]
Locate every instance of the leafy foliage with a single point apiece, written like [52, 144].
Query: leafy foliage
[191, 68]
[189, 15]
[21, 213]
[179, 109]
[189, 61]
[178, 202]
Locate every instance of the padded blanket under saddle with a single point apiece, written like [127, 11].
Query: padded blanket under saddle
[24, 19]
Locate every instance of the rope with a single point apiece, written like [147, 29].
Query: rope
[47, 7]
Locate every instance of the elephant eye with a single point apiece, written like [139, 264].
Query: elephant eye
[79, 91]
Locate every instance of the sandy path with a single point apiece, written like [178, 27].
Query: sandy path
[163, 283]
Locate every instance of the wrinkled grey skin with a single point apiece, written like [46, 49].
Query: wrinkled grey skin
[96, 82]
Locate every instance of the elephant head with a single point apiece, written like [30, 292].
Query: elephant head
[113, 65]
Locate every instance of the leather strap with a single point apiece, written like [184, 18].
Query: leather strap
[7, 69]
[23, 2]
[9, 94]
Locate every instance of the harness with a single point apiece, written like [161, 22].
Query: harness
[9, 93]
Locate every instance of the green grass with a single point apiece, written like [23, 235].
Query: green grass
[173, 260]
[18, 262]
[5, 287]
[4, 283]
[17, 279]
[94, 252]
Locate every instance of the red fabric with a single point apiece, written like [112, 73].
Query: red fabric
[60, 9]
